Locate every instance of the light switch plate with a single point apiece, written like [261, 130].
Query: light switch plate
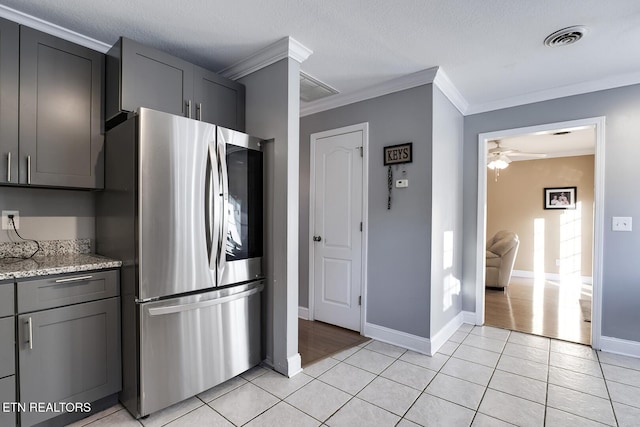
[621, 223]
[6, 224]
[402, 183]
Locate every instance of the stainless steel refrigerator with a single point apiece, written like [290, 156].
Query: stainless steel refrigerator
[182, 208]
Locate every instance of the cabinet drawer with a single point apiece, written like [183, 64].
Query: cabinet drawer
[8, 394]
[6, 300]
[7, 347]
[58, 291]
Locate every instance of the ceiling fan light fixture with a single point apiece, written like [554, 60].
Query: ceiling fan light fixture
[499, 163]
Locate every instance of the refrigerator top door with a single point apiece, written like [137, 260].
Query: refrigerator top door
[174, 155]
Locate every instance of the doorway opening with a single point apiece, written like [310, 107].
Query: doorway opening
[554, 286]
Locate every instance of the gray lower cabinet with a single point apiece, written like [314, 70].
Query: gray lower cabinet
[9, 62]
[8, 395]
[7, 347]
[140, 76]
[61, 112]
[69, 354]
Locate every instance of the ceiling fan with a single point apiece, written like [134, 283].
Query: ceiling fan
[499, 157]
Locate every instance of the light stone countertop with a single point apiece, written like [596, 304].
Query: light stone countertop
[53, 264]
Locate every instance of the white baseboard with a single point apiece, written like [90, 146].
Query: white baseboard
[303, 313]
[549, 276]
[294, 365]
[441, 337]
[401, 339]
[619, 346]
[469, 317]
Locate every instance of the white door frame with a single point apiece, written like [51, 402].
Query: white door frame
[598, 219]
[364, 128]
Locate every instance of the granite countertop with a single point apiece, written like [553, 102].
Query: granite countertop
[53, 257]
[53, 264]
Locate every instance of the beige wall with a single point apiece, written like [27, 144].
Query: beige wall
[515, 202]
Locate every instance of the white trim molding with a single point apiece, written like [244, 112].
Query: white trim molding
[434, 75]
[620, 346]
[286, 47]
[443, 335]
[294, 365]
[449, 90]
[598, 219]
[397, 338]
[609, 82]
[395, 85]
[53, 29]
[303, 313]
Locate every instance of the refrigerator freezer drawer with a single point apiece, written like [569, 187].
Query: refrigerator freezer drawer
[190, 344]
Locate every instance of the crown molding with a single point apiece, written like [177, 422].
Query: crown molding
[287, 47]
[53, 29]
[611, 82]
[395, 85]
[449, 90]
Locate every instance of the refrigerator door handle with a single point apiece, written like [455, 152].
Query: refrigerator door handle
[224, 194]
[212, 188]
[179, 308]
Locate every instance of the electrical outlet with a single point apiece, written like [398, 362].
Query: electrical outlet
[621, 223]
[6, 224]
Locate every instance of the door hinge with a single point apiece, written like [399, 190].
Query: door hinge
[360, 300]
[361, 151]
[360, 225]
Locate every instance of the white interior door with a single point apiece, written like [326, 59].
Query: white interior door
[337, 227]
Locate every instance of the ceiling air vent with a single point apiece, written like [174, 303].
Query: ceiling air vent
[565, 36]
[313, 89]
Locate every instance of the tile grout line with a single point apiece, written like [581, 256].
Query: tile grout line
[615, 416]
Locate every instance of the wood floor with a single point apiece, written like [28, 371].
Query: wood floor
[555, 309]
[317, 340]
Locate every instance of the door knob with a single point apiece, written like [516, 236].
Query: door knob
[317, 238]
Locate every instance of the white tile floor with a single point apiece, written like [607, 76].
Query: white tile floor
[482, 377]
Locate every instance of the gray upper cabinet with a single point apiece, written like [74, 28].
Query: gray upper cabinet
[218, 100]
[149, 78]
[9, 64]
[61, 109]
[140, 76]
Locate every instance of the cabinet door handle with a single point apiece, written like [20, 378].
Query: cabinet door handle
[73, 279]
[9, 167]
[30, 323]
[189, 109]
[28, 169]
[199, 111]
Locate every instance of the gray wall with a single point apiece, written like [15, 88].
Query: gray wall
[621, 270]
[399, 247]
[50, 214]
[446, 212]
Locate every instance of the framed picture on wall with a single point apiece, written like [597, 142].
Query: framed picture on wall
[560, 197]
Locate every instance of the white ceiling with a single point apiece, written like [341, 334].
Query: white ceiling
[578, 142]
[492, 50]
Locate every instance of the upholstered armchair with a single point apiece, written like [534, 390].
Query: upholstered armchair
[501, 256]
